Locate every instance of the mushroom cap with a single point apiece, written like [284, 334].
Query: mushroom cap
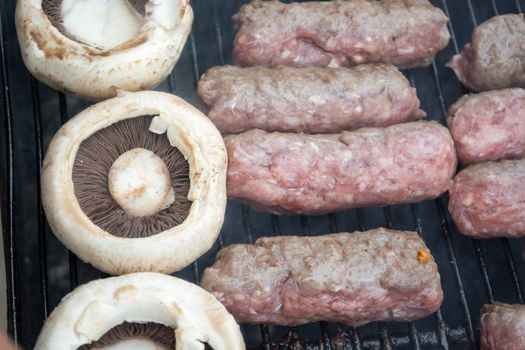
[170, 250]
[91, 310]
[94, 73]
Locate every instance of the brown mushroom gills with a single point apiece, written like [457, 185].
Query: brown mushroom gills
[160, 336]
[157, 336]
[121, 18]
[95, 157]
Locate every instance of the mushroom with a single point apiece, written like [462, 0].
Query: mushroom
[136, 183]
[92, 48]
[142, 310]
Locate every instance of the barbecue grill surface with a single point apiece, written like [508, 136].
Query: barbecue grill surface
[40, 271]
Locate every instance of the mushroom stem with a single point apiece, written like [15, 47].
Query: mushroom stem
[134, 344]
[101, 23]
[140, 182]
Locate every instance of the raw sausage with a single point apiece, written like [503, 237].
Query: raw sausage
[495, 59]
[488, 199]
[489, 126]
[406, 33]
[502, 327]
[317, 174]
[312, 100]
[354, 278]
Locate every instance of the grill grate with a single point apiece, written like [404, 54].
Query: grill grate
[40, 270]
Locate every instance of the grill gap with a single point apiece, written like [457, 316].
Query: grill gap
[42, 243]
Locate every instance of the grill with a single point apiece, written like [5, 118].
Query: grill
[40, 270]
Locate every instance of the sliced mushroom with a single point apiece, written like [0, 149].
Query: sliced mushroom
[136, 183]
[92, 48]
[140, 311]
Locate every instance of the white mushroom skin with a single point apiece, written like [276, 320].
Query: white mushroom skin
[91, 310]
[139, 181]
[101, 23]
[168, 251]
[96, 72]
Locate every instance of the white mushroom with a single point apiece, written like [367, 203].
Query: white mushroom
[136, 183]
[93, 47]
[123, 312]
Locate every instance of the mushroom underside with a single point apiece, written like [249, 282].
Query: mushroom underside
[95, 161]
[150, 336]
[102, 24]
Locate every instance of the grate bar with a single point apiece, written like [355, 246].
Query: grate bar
[414, 336]
[459, 281]
[445, 230]
[477, 246]
[494, 6]
[483, 268]
[387, 213]
[471, 12]
[218, 31]
[440, 333]
[518, 6]
[441, 208]
[12, 282]
[361, 221]
[42, 244]
[247, 223]
[265, 337]
[305, 226]
[512, 268]
[276, 227]
[195, 59]
[356, 339]
[326, 341]
[440, 329]
[332, 223]
[450, 27]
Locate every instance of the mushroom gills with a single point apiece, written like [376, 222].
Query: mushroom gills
[104, 24]
[130, 181]
[137, 336]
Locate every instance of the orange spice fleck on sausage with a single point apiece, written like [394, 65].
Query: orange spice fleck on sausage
[423, 256]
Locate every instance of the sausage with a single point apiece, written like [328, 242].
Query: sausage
[489, 126]
[502, 327]
[316, 174]
[405, 33]
[488, 199]
[495, 59]
[354, 278]
[312, 100]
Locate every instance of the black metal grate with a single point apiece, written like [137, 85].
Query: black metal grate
[40, 270]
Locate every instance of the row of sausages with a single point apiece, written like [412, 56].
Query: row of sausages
[307, 139]
[310, 140]
[308, 174]
[487, 198]
[299, 173]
